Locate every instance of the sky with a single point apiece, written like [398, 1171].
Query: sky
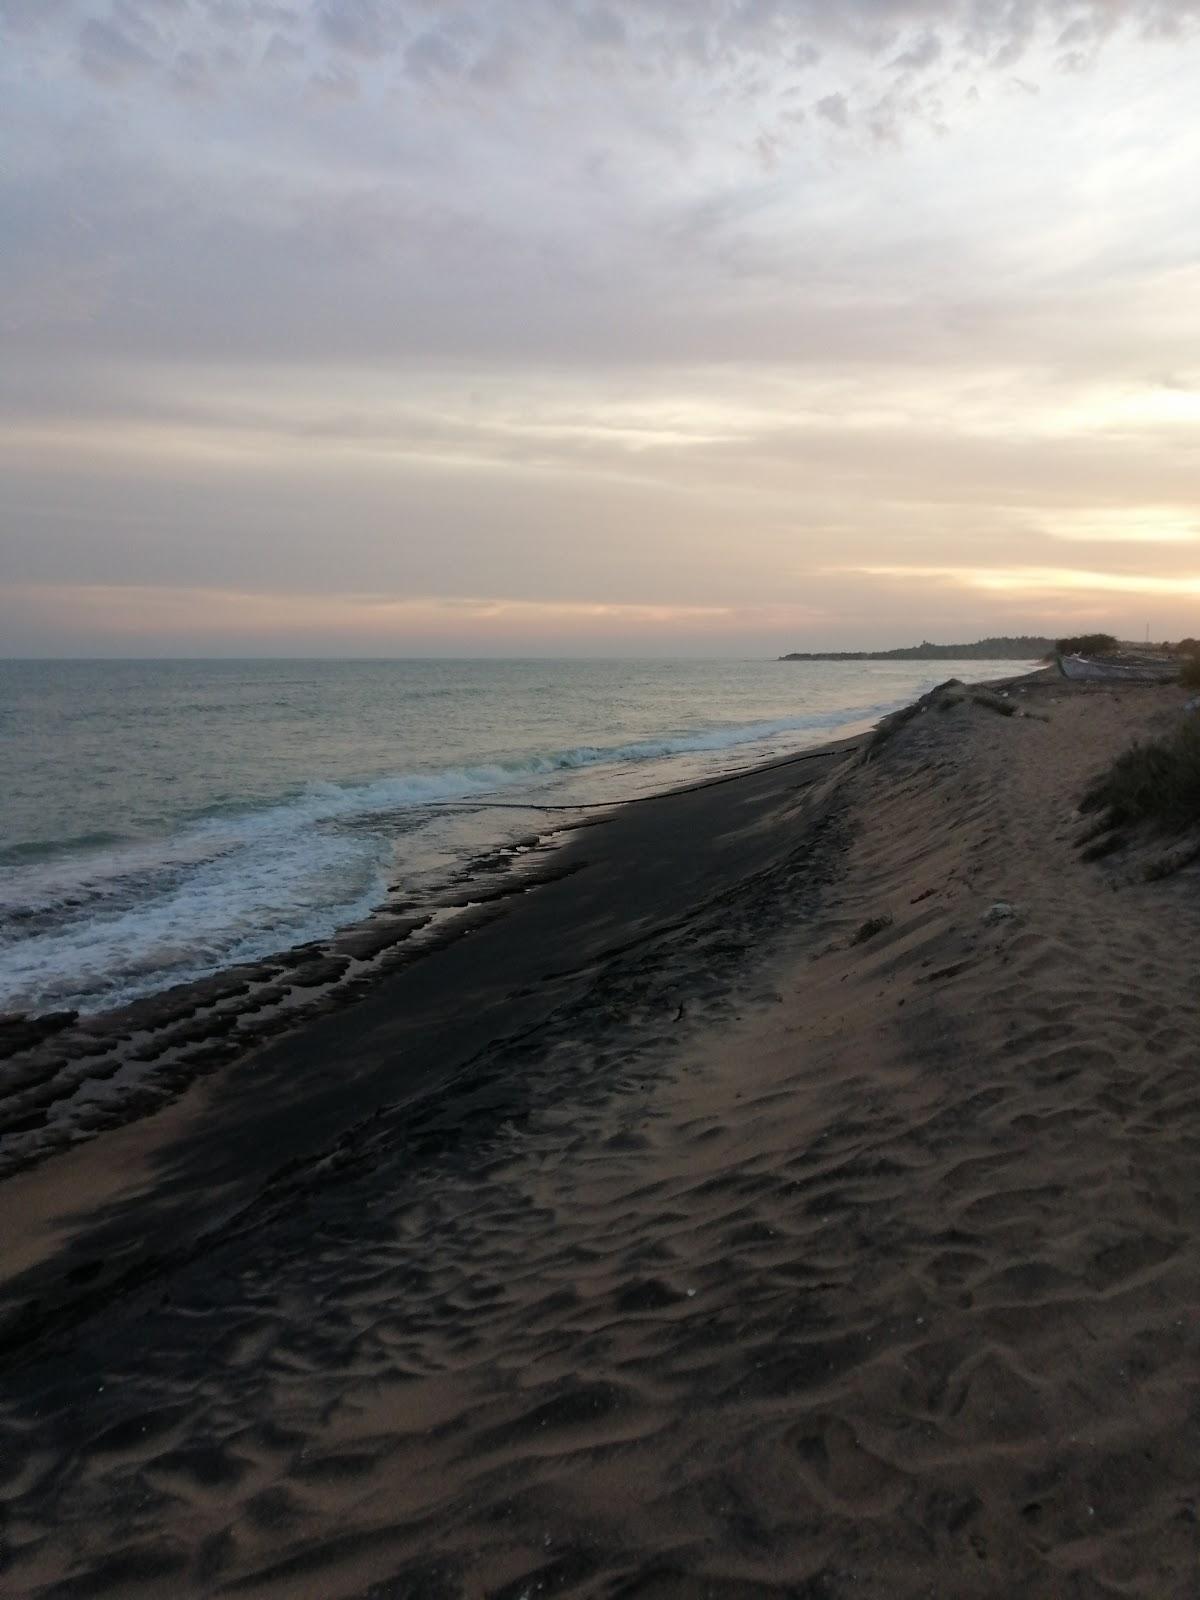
[541, 327]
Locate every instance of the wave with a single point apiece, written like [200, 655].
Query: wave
[133, 934]
[320, 802]
[86, 866]
[107, 919]
[46, 849]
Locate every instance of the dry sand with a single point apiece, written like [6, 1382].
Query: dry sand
[798, 1267]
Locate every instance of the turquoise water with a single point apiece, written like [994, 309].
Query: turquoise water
[163, 819]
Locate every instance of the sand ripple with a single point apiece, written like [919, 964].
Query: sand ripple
[806, 1277]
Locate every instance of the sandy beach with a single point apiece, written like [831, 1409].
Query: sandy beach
[792, 1191]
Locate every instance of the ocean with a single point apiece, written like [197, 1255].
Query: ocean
[160, 820]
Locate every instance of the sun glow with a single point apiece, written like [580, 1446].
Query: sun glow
[1125, 525]
[1041, 582]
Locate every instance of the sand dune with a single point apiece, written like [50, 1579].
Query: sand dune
[800, 1265]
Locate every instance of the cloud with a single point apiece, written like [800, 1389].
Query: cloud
[658, 38]
[667, 303]
[110, 55]
[922, 53]
[835, 110]
[1047, 582]
[1133, 524]
[602, 27]
[283, 52]
[432, 55]
[338, 82]
[364, 28]
[28, 16]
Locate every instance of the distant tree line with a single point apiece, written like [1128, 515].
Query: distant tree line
[1025, 647]
[1020, 647]
[1100, 644]
[1088, 644]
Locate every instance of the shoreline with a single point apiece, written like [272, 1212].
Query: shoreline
[140, 911]
[622, 879]
[672, 1230]
[65, 1077]
[120, 1071]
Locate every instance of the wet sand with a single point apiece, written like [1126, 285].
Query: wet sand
[664, 1236]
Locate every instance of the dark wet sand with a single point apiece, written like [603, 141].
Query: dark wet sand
[627, 878]
[658, 1238]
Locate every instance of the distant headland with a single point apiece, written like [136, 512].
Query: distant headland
[1024, 648]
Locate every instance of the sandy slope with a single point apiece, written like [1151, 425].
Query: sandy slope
[817, 1269]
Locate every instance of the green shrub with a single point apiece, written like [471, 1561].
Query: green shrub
[1156, 782]
[1189, 673]
[1087, 644]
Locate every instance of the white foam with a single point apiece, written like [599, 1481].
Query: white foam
[235, 907]
[102, 927]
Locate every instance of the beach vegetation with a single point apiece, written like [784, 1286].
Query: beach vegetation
[1157, 782]
[887, 728]
[1087, 644]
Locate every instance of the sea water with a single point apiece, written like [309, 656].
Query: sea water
[162, 819]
